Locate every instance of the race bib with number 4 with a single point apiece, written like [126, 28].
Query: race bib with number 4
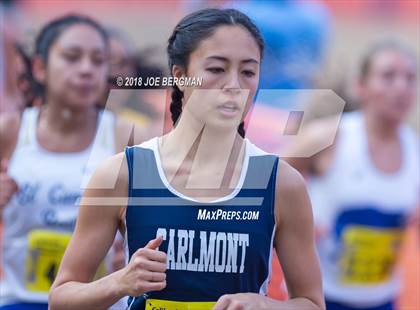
[45, 251]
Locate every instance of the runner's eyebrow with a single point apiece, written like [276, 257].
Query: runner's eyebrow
[224, 59]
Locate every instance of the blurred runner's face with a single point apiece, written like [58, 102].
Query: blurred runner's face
[390, 86]
[77, 66]
[119, 59]
[229, 63]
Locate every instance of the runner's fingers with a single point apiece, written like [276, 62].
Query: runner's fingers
[154, 286]
[150, 254]
[154, 243]
[142, 263]
[154, 266]
[154, 255]
[153, 276]
[222, 303]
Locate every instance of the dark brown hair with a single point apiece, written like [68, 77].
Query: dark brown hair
[187, 35]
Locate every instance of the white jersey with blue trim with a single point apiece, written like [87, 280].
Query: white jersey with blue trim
[40, 218]
[214, 248]
[364, 212]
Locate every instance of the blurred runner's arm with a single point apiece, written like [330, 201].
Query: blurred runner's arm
[414, 220]
[312, 137]
[9, 128]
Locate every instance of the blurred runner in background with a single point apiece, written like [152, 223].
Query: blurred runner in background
[49, 151]
[365, 187]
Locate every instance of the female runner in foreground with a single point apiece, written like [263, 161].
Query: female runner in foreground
[205, 205]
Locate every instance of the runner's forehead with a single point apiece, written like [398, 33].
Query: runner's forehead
[228, 42]
[393, 59]
[80, 37]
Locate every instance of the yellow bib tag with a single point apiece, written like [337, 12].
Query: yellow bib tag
[157, 304]
[45, 250]
[369, 254]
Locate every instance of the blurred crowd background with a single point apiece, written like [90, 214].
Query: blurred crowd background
[311, 45]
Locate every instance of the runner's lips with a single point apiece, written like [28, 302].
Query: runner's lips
[229, 109]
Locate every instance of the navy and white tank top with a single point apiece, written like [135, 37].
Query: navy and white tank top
[213, 248]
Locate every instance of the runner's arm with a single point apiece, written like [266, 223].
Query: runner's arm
[9, 130]
[294, 241]
[306, 150]
[95, 230]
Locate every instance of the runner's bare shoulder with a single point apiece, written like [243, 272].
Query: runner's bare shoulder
[111, 176]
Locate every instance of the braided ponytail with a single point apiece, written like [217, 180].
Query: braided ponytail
[176, 104]
[241, 129]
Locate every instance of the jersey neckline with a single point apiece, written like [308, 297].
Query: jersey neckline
[42, 149]
[233, 194]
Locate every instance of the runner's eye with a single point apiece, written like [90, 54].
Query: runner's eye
[215, 70]
[248, 73]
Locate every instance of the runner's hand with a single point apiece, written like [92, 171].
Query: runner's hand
[146, 270]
